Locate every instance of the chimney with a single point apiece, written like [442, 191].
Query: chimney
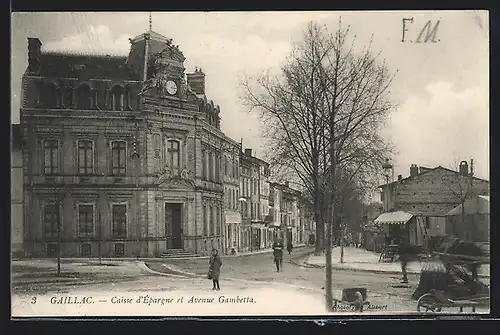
[196, 81]
[464, 168]
[248, 152]
[413, 170]
[287, 184]
[400, 177]
[34, 54]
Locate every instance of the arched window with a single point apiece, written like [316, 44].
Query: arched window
[204, 164]
[117, 98]
[83, 97]
[173, 155]
[50, 96]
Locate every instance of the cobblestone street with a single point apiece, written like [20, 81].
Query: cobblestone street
[260, 268]
[253, 275]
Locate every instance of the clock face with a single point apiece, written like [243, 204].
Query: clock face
[171, 87]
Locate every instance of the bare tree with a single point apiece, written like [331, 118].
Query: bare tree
[322, 115]
[462, 186]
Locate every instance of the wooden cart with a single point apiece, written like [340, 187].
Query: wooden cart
[436, 300]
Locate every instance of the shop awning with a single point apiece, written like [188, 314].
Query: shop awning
[394, 218]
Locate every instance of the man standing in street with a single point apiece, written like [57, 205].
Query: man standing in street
[404, 254]
[289, 247]
[278, 254]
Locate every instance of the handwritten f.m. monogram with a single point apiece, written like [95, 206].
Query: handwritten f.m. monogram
[427, 34]
[430, 33]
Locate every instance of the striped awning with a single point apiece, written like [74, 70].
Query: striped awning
[394, 218]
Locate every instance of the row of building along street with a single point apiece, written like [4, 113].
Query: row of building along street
[124, 156]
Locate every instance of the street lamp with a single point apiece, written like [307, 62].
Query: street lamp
[389, 175]
[388, 170]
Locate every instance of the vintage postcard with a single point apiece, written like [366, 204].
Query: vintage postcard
[250, 163]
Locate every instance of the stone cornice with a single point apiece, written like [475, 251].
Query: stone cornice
[81, 114]
[79, 79]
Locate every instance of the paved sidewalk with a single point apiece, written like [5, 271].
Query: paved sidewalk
[143, 259]
[357, 259]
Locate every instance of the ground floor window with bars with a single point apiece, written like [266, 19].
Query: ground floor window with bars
[85, 250]
[86, 220]
[119, 217]
[119, 249]
[52, 250]
[50, 220]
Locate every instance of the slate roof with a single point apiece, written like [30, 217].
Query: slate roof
[61, 65]
[427, 170]
[153, 35]
[477, 205]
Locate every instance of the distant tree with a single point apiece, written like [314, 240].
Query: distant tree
[462, 187]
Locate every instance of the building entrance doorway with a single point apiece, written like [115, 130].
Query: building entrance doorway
[173, 225]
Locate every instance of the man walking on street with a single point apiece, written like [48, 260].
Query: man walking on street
[404, 254]
[289, 247]
[278, 254]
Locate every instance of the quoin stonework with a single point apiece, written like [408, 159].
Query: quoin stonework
[125, 157]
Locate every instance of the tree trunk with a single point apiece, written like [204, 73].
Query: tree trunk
[328, 255]
[319, 233]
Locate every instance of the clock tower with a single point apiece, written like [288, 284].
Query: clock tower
[166, 69]
[164, 64]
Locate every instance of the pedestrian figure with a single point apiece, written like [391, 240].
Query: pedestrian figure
[278, 255]
[404, 255]
[215, 264]
[289, 247]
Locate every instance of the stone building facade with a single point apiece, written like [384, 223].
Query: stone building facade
[254, 185]
[123, 156]
[231, 175]
[16, 193]
[428, 194]
[264, 193]
[288, 216]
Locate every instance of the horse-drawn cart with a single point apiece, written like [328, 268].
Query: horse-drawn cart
[435, 301]
[459, 290]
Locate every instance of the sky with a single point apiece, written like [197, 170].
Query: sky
[441, 88]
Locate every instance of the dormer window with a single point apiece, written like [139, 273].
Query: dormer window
[117, 98]
[50, 98]
[83, 97]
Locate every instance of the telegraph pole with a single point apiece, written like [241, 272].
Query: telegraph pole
[471, 172]
[330, 223]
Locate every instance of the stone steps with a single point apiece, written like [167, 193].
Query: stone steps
[178, 253]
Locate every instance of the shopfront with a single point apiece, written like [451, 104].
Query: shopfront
[396, 226]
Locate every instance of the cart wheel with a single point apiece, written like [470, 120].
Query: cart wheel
[428, 303]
